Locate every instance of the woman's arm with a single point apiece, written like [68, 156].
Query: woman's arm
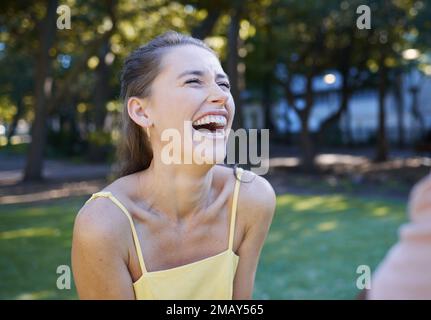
[257, 205]
[100, 253]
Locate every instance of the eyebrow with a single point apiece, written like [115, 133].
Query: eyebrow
[201, 73]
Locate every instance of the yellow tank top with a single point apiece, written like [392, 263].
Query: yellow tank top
[207, 279]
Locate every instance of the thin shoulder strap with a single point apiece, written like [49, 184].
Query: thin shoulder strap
[234, 206]
[108, 194]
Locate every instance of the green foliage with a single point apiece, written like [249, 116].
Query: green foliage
[7, 109]
[99, 138]
[64, 144]
[100, 147]
[302, 37]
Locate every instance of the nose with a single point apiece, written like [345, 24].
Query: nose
[217, 95]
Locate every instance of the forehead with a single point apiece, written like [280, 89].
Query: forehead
[189, 57]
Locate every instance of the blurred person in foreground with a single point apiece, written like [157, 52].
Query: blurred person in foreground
[405, 272]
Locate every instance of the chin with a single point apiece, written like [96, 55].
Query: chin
[209, 152]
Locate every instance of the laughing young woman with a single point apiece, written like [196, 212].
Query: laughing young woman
[173, 230]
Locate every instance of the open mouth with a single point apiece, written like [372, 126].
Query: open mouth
[211, 123]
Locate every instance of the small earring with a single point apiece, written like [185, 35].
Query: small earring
[148, 132]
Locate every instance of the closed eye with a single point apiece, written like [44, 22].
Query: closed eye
[227, 85]
[194, 81]
[198, 81]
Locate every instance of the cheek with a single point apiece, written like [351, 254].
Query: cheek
[182, 102]
[174, 107]
[231, 109]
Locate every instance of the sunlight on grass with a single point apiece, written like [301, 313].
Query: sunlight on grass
[380, 212]
[314, 202]
[36, 212]
[29, 232]
[34, 295]
[312, 251]
[34, 241]
[327, 226]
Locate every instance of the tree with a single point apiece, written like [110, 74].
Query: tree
[316, 37]
[388, 35]
[43, 90]
[319, 36]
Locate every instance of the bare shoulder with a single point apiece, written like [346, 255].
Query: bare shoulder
[102, 217]
[100, 224]
[100, 251]
[256, 198]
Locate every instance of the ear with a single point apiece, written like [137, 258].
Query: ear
[139, 112]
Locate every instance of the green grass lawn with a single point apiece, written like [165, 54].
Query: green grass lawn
[316, 244]
[312, 252]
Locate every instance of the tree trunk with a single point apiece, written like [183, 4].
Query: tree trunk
[267, 101]
[43, 83]
[382, 144]
[415, 110]
[232, 65]
[399, 104]
[268, 79]
[205, 28]
[308, 155]
[101, 94]
[334, 118]
[307, 144]
[348, 127]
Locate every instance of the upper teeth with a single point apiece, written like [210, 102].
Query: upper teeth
[221, 120]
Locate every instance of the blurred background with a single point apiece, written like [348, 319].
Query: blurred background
[346, 96]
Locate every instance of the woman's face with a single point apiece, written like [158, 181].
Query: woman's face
[191, 96]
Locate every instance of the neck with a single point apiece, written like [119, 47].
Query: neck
[176, 191]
